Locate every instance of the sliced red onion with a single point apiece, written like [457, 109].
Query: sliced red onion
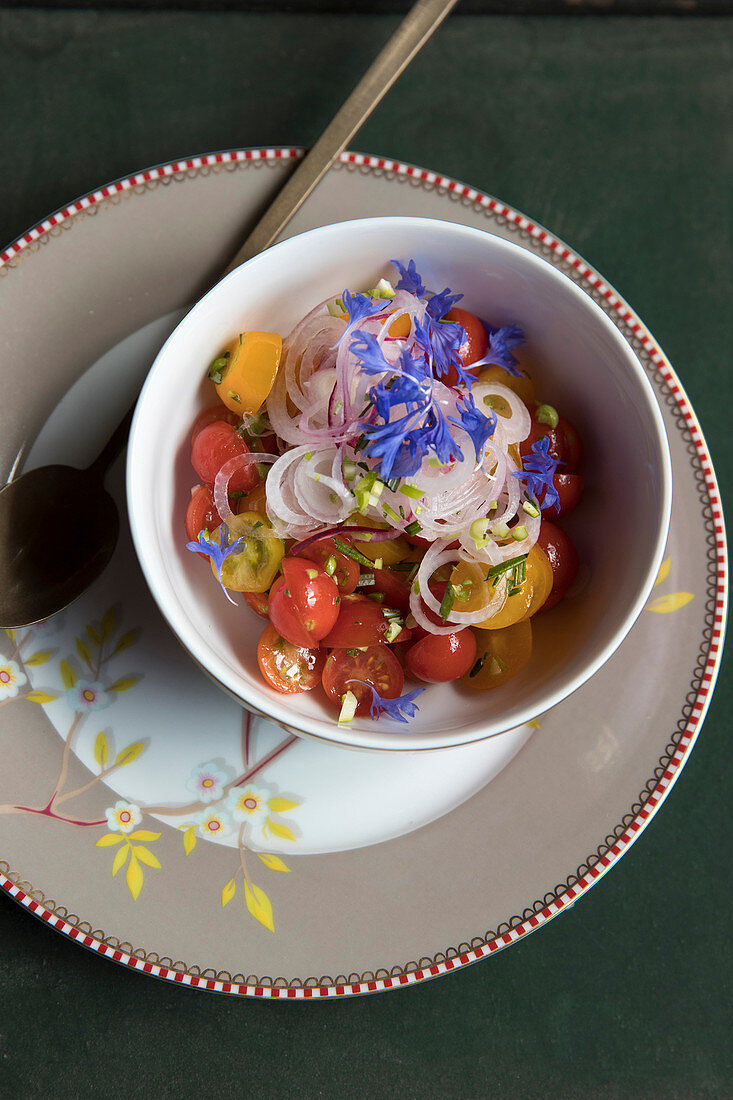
[230, 467]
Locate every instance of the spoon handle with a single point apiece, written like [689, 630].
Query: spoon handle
[411, 35]
[113, 447]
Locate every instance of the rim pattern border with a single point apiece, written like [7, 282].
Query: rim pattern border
[697, 700]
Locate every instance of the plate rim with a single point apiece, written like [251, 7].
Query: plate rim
[705, 672]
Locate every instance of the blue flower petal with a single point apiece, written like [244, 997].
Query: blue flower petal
[409, 278]
[538, 471]
[394, 708]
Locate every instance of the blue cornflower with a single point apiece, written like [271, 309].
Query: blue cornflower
[393, 708]
[217, 553]
[358, 306]
[398, 445]
[439, 304]
[409, 278]
[440, 341]
[366, 348]
[478, 425]
[538, 472]
[501, 342]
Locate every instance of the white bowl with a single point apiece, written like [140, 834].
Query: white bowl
[584, 367]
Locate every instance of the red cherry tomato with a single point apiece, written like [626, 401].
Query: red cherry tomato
[213, 446]
[200, 513]
[361, 622]
[437, 658]
[395, 588]
[258, 602]
[476, 344]
[209, 416]
[564, 442]
[563, 558]
[286, 667]
[346, 572]
[569, 489]
[304, 602]
[357, 670]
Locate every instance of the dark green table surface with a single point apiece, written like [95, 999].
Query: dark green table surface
[612, 132]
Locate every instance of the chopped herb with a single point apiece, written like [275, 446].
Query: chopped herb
[378, 596]
[519, 533]
[217, 368]
[413, 528]
[531, 509]
[236, 495]
[349, 703]
[235, 397]
[505, 566]
[312, 574]
[353, 553]
[352, 651]
[330, 565]
[390, 512]
[477, 667]
[257, 524]
[412, 491]
[393, 631]
[447, 602]
[241, 337]
[547, 414]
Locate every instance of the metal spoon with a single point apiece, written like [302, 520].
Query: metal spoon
[58, 524]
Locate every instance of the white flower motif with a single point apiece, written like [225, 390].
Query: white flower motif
[207, 781]
[11, 678]
[213, 825]
[87, 696]
[123, 817]
[249, 803]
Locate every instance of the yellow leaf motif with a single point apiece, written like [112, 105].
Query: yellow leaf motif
[672, 602]
[67, 674]
[533, 723]
[126, 756]
[134, 877]
[93, 635]
[120, 858]
[38, 659]
[101, 750]
[125, 641]
[228, 892]
[40, 697]
[144, 834]
[108, 840]
[189, 839]
[259, 905]
[280, 805]
[11, 634]
[83, 650]
[663, 571]
[145, 856]
[108, 623]
[280, 830]
[273, 862]
[125, 683]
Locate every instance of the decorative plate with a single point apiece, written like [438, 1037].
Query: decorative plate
[147, 817]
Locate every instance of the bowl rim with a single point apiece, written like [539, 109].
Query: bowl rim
[404, 740]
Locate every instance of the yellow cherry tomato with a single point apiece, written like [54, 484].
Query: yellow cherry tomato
[254, 566]
[252, 360]
[255, 501]
[400, 328]
[532, 592]
[500, 655]
[542, 576]
[522, 385]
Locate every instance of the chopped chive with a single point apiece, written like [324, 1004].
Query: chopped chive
[217, 368]
[366, 580]
[412, 491]
[391, 513]
[236, 495]
[392, 484]
[378, 596]
[349, 469]
[531, 509]
[393, 631]
[349, 703]
[504, 566]
[235, 397]
[241, 335]
[353, 553]
[312, 574]
[547, 414]
[477, 667]
[257, 524]
[519, 533]
[413, 528]
[447, 602]
[330, 565]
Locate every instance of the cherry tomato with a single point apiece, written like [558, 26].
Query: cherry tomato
[209, 416]
[438, 658]
[201, 513]
[357, 670]
[258, 601]
[253, 566]
[395, 588]
[476, 343]
[304, 602]
[521, 384]
[569, 489]
[256, 501]
[565, 443]
[501, 655]
[360, 622]
[346, 570]
[286, 667]
[214, 445]
[563, 558]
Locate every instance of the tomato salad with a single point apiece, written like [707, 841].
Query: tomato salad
[382, 487]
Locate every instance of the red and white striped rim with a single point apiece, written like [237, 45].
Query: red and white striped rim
[658, 787]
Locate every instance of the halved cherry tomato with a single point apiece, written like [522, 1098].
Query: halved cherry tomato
[476, 343]
[564, 442]
[438, 658]
[346, 570]
[521, 384]
[395, 588]
[253, 566]
[360, 622]
[214, 445]
[569, 490]
[286, 667]
[501, 655]
[201, 513]
[248, 370]
[258, 601]
[356, 670]
[210, 415]
[304, 602]
[532, 591]
[563, 558]
[256, 501]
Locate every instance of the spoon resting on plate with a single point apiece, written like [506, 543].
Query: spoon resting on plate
[45, 566]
